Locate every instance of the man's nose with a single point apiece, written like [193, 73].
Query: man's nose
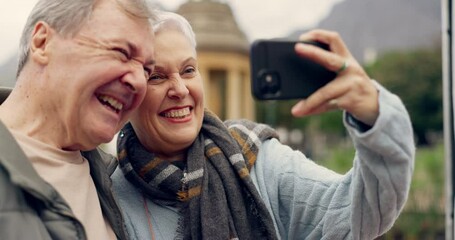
[135, 79]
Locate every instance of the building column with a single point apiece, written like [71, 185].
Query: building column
[204, 72]
[234, 91]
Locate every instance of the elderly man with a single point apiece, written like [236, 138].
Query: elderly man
[82, 71]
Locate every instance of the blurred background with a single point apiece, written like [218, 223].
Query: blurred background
[397, 41]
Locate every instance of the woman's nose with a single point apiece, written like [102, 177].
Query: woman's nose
[178, 87]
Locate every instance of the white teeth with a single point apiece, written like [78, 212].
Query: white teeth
[180, 113]
[112, 102]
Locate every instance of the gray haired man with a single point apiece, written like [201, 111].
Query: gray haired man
[82, 71]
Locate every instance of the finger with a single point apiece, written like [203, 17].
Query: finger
[343, 67]
[356, 95]
[331, 105]
[323, 99]
[333, 39]
[331, 61]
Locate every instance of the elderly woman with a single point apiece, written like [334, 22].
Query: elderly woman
[185, 174]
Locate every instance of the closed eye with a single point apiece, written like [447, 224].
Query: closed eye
[123, 52]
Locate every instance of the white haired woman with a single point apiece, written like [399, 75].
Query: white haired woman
[184, 174]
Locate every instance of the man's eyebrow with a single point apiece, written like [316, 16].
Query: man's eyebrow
[150, 62]
[135, 50]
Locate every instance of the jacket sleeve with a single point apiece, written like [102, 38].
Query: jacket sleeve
[308, 201]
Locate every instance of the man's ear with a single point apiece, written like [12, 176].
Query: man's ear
[41, 35]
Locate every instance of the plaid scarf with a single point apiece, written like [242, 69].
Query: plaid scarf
[215, 193]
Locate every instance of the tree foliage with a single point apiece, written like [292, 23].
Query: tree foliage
[278, 113]
[415, 76]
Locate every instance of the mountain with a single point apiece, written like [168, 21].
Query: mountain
[372, 27]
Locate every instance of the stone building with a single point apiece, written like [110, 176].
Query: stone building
[223, 56]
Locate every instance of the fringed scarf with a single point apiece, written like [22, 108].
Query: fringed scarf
[215, 193]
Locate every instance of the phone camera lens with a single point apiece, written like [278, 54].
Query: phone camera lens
[270, 83]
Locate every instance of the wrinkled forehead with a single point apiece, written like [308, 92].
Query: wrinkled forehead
[111, 26]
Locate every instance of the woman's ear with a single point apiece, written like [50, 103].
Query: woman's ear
[39, 42]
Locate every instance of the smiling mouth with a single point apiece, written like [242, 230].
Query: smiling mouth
[111, 103]
[177, 113]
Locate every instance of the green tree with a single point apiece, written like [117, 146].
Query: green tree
[415, 76]
[278, 113]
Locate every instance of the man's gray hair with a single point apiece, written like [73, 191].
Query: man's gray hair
[172, 21]
[68, 16]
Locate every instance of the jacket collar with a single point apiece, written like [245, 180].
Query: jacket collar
[20, 170]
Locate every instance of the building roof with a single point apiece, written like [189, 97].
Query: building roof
[215, 26]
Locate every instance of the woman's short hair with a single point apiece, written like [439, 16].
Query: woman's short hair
[172, 21]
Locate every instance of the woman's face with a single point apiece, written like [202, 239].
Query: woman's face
[170, 117]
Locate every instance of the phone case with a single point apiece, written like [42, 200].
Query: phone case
[277, 72]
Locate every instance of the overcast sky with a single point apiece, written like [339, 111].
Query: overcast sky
[258, 18]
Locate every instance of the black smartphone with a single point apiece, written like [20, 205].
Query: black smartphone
[277, 72]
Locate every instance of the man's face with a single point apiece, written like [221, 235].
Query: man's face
[98, 77]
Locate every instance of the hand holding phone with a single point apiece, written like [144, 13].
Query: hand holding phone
[277, 72]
